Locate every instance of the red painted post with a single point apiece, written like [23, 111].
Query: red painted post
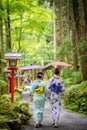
[12, 90]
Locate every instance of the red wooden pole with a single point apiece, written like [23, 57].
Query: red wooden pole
[12, 90]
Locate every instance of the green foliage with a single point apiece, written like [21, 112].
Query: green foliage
[75, 98]
[77, 77]
[68, 82]
[82, 49]
[65, 50]
[48, 74]
[3, 87]
[23, 112]
[30, 23]
[5, 97]
[66, 72]
[14, 111]
[18, 92]
[4, 126]
[2, 83]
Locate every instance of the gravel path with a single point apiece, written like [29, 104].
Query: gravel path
[68, 120]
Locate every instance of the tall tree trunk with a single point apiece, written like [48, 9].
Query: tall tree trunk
[20, 33]
[82, 37]
[60, 25]
[81, 22]
[54, 29]
[74, 38]
[60, 20]
[1, 43]
[8, 29]
[85, 10]
[74, 43]
[80, 13]
[67, 19]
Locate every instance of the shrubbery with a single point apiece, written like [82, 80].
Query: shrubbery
[66, 72]
[14, 110]
[75, 98]
[14, 114]
[77, 77]
[3, 87]
[68, 82]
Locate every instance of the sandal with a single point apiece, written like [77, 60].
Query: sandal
[37, 126]
[40, 124]
[53, 124]
[56, 126]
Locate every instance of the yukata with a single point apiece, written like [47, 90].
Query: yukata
[39, 96]
[55, 97]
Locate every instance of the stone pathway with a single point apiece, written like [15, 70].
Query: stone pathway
[68, 120]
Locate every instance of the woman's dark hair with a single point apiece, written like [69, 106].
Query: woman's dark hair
[40, 75]
[56, 71]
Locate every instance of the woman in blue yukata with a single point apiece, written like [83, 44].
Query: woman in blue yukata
[39, 96]
[56, 89]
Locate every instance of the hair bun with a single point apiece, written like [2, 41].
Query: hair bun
[57, 70]
[40, 74]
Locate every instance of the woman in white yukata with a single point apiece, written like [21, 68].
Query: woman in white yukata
[55, 91]
[39, 96]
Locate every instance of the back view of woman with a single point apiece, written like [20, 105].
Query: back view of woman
[39, 93]
[55, 92]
